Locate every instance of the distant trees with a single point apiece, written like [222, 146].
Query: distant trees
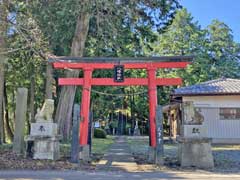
[222, 51]
[98, 28]
[24, 49]
[215, 52]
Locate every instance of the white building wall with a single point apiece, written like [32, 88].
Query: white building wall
[222, 131]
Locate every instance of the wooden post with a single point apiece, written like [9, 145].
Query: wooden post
[75, 134]
[21, 109]
[159, 135]
[152, 93]
[85, 105]
[84, 116]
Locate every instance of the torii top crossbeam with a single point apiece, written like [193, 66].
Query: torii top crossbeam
[119, 59]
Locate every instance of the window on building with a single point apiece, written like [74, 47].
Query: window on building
[229, 113]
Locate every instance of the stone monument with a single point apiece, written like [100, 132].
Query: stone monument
[194, 145]
[44, 133]
[136, 131]
[21, 109]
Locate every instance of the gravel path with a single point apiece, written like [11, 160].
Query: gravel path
[85, 175]
[118, 158]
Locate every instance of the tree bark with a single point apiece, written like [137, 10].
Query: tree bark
[49, 80]
[32, 98]
[3, 30]
[1, 102]
[65, 104]
[7, 119]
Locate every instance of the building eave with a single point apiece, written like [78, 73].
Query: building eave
[205, 94]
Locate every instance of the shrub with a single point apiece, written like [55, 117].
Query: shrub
[99, 133]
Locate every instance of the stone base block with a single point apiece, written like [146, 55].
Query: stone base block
[136, 132]
[151, 154]
[195, 152]
[84, 153]
[46, 149]
[43, 129]
[194, 131]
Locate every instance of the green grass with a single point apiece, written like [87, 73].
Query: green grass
[99, 146]
[221, 147]
[5, 147]
[138, 146]
[65, 149]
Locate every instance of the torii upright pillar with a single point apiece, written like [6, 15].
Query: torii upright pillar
[84, 113]
[152, 94]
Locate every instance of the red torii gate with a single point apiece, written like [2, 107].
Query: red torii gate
[88, 65]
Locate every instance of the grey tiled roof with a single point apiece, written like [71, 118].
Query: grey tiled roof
[214, 87]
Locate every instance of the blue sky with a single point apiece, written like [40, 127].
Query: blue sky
[227, 11]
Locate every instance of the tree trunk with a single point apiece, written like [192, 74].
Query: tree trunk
[32, 98]
[49, 79]
[65, 104]
[3, 30]
[1, 101]
[7, 119]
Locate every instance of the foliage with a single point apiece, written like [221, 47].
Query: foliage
[223, 52]
[113, 124]
[109, 22]
[100, 133]
[215, 52]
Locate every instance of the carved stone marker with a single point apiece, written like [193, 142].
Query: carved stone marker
[75, 134]
[159, 148]
[44, 133]
[195, 131]
[194, 148]
[21, 109]
[155, 154]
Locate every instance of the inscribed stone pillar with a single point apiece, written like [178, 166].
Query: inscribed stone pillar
[21, 109]
[159, 135]
[75, 134]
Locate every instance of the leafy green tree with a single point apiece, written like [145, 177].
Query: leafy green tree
[222, 51]
[26, 47]
[3, 35]
[182, 37]
[214, 51]
[98, 28]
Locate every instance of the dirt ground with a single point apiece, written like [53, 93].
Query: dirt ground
[226, 157]
[10, 160]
